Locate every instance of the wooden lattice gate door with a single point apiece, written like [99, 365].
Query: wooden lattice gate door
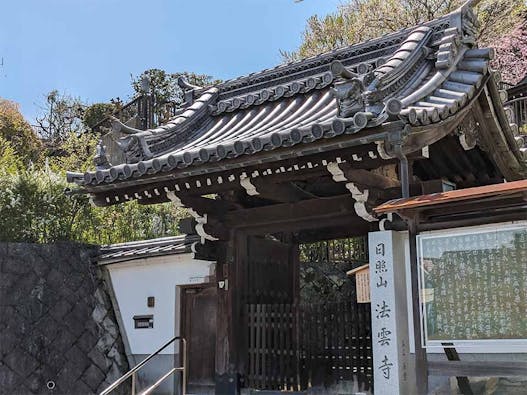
[335, 344]
[294, 347]
[271, 290]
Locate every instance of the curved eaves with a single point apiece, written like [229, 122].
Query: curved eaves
[444, 93]
[296, 120]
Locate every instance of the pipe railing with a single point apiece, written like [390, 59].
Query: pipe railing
[519, 108]
[133, 372]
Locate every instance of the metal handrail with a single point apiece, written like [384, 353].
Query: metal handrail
[519, 108]
[132, 372]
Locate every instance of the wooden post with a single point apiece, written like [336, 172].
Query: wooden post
[421, 368]
[462, 381]
[239, 299]
[227, 378]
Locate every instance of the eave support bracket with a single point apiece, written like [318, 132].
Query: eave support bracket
[360, 197]
[201, 220]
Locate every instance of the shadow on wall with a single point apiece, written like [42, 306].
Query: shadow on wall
[58, 332]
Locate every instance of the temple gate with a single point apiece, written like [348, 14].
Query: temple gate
[302, 153]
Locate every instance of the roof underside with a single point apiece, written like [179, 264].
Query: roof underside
[468, 194]
[427, 78]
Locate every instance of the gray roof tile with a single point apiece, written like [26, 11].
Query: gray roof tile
[421, 76]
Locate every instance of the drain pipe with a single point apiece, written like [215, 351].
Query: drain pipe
[403, 169]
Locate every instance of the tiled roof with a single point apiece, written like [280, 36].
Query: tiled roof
[417, 76]
[113, 253]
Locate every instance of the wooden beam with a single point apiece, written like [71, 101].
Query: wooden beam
[306, 224]
[368, 178]
[211, 207]
[283, 193]
[208, 183]
[352, 229]
[479, 219]
[477, 368]
[420, 352]
[463, 382]
[280, 214]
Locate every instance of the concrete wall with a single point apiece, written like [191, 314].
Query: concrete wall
[136, 280]
[57, 326]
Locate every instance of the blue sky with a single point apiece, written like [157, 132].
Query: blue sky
[89, 48]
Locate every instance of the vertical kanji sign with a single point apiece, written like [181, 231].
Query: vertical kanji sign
[389, 313]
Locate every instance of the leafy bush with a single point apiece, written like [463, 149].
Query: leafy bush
[18, 132]
[34, 208]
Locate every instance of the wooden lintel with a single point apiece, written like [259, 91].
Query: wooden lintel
[280, 214]
[357, 269]
[298, 225]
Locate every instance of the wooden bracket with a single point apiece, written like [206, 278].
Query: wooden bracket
[201, 220]
[360, 197]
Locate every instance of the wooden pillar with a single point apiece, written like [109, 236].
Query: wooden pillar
[239, 324]
[294, 261]
[421, 368]
[231, 338]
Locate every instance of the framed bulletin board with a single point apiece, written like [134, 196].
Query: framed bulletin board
[474, 285]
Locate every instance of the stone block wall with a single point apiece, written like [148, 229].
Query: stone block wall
[58, 332]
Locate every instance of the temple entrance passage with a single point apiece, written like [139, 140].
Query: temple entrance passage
[270, 272]
[318, 337]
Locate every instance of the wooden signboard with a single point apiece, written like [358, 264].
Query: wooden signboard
[362, 281]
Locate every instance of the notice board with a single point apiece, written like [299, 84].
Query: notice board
[474, 284]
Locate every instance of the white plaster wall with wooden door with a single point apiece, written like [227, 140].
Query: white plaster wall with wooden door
[135, 281]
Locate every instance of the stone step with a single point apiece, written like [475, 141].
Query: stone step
[200, 389]
[275, 392]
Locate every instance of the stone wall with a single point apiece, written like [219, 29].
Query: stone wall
[58, 332]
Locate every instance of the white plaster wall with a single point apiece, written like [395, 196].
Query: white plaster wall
[134, 281]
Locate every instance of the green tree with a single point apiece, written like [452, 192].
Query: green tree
[34, 208]
[360, 20]
[96, 113]
[10, 162]
[76, 152]
[15, 130]
[33, 205]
